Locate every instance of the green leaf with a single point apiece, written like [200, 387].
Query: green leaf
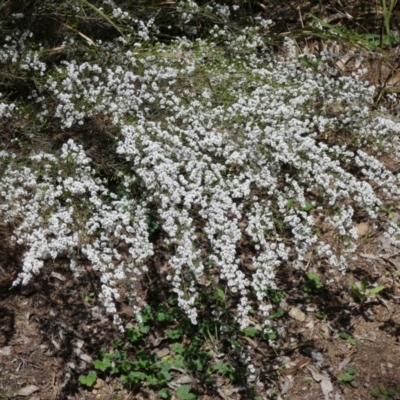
[344, 335]
[161, 316]
[290, 203]
[277, 314]
[363, 285]
[199, 364]
[164, 375]
[375, 290]
[346, 378]
[177, 348]
[352, 340]
[152, 380]
[375, 393]
[350, 370]
[272, 334]
[88, 379]
[385, 397]
[183, 393]
[164, 393]
[307, 206]
[222, 367]
[144, 328]
[175, 333]
[152, 222]
[126, 366]
[315, 280]
[250, 332]
[136, 377]
[102, 365]
[179, 361]
[133, 335]
[320, 315]
[219, 294]
[118, 343]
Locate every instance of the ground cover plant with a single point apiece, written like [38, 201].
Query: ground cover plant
[193, 157]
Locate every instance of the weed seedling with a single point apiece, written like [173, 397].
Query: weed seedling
[382, 393]
[361, 292]
[388, 210]
[308, 380]
[313, 285]
[348, 377]
[348, 338]
[89, 379]
[89, 297]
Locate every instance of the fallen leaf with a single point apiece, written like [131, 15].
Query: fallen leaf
[344, 363]
[58, 276]
[289, 383]
[318, 358]
[323, 380]
[86, 358]
[27, 391]
[163, 352]
[184, 379]
[5, 351]
[295, 369]
[361, 229]
[297, 314]
[99, 384]
[370, 256]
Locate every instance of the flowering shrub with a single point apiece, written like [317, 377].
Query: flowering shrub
[246, 158]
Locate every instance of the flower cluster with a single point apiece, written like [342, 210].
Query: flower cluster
[237, 151]
[60, 208]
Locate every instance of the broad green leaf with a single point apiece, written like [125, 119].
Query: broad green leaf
[277, 314]
[177, 348]
[102, 365]
[250, 332]
[175, 333]
[219, 294]
[183, 393]
[179, 361]
[88, 379]
[290, 203]
[164, 393]
[307, 206]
